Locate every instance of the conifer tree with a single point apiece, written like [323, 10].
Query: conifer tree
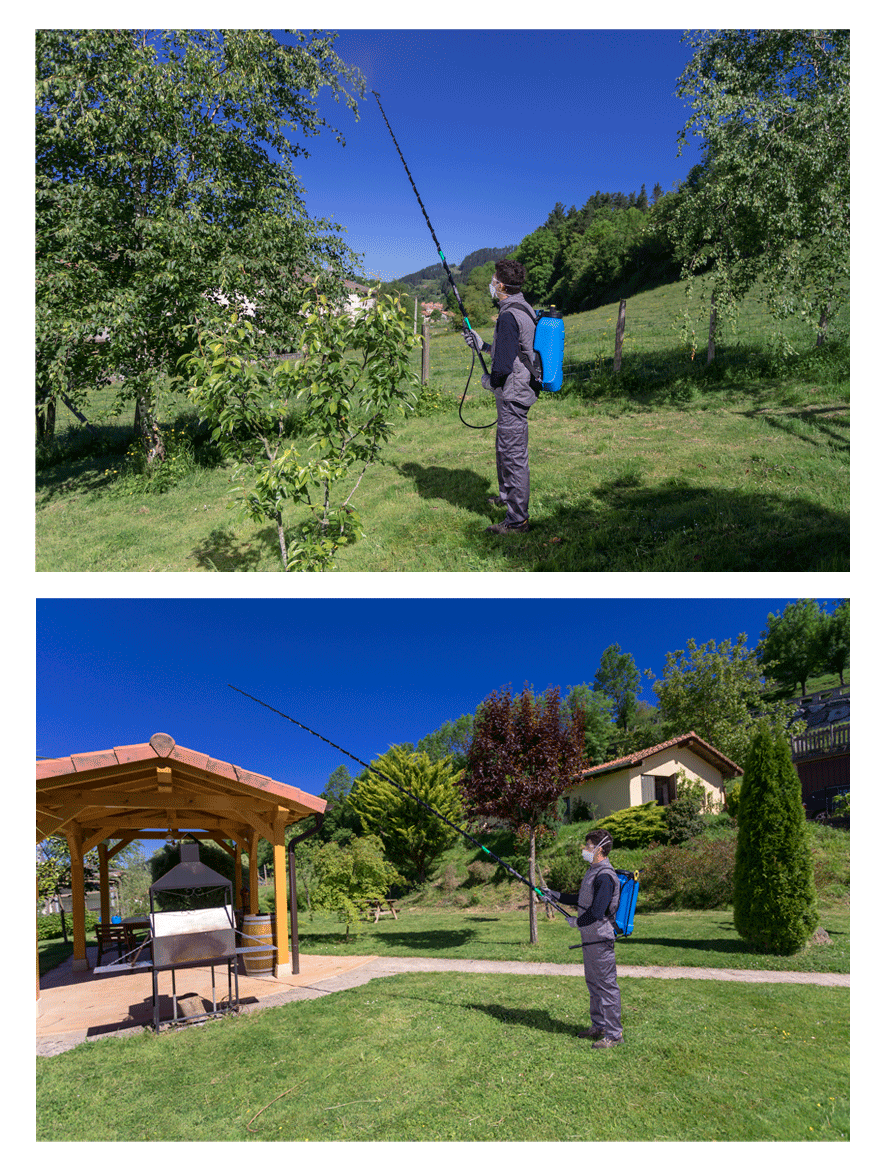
[775, 905]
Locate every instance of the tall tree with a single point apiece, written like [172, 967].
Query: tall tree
[412, 836]
[451, 740]
[715, 690]
[790, 649]
[166, 181]
[771, 107]
[619, 679]
[835, 641]
[598, 727]
[524, 753]
[775, 906]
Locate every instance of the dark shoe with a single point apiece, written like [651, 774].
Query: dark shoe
[497, 502]
[608, 1042]
[508, 527]
[591, 1034]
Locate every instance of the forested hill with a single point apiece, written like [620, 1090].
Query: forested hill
[434, 272]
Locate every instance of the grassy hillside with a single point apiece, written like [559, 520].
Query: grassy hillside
[670, 466]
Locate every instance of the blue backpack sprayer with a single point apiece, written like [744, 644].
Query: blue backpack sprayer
[624, 917]
[546, 363]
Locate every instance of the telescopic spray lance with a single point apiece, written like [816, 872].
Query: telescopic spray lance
[464, 313]
[513, 872]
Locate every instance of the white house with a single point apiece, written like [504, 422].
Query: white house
[652, 774]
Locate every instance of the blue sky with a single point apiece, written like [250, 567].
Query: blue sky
[365, 673]
[496, 126]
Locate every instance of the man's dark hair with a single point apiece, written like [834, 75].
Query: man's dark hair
[600, 839]
[511, 274]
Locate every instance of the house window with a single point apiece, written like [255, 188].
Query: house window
[661, 788]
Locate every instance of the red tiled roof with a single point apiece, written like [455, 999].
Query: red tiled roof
[698, 744]
[163, 747]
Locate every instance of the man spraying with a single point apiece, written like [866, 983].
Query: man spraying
[597, 901]
[512, 381]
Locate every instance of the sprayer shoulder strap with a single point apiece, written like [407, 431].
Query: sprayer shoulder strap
[532, 364]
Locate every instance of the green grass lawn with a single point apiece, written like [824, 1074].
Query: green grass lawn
[669, 467]
[472, 1058]
[684, 938]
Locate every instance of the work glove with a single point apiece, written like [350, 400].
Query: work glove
[573, 922]
[472, 339]
[549, 895]
[486, 382]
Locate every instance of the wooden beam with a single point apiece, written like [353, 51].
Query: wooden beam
[281, 921]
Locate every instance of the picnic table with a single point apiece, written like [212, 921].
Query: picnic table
[377, 908]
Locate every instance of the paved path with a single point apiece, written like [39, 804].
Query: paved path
[341, 973]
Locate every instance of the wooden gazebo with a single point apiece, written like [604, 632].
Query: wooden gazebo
[104, 800]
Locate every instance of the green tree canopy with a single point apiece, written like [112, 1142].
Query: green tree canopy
[715, 690]
[791, 647]
[413, 837]
[619, 679]
[348, 876]
[166, 179]
[835, 641]
[771, 107]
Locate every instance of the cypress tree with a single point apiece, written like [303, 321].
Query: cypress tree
[775, 906]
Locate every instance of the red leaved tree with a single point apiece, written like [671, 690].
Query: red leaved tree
[524, 753]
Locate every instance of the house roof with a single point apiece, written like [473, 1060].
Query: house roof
[158, 785]
[691, 741]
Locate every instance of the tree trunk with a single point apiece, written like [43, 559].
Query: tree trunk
[149, 430]
[823, 326]
[45, 411]
[712, 331]
[619, 335]
[281, 539]
[533, 919]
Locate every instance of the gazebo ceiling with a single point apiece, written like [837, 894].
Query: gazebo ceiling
[158, 788]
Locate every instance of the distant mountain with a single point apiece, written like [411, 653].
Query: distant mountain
[435, 272]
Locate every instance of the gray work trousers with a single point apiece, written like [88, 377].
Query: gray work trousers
[512, 457]
[599, 961]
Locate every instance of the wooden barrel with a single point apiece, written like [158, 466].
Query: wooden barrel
[258, 931]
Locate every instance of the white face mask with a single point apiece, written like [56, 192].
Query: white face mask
[493, 293]
[588, 855]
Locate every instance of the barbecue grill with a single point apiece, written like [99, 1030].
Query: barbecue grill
[195, 928]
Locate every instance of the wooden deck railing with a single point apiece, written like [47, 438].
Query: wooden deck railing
[829, 740]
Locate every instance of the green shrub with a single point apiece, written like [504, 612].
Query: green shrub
[695, 876]
[683, 817]
[637, 827]
[50, 925]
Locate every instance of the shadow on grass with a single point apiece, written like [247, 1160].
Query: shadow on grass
[460, 487]
[626, 527]
[535, 1018]
[222, 551]
[427, 941]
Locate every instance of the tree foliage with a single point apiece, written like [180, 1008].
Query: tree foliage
[715, 690]
[619, 679]
[351, 376]
[167, 181]
[771, 201]
[803, 641]
[775, 902]
[412, 836]
[524, 753]
[349, 876]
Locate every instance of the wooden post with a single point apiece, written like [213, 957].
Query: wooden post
[712, 331]
[425, 352]
[103, 883]
[281, 922]
[619, 335]
[79, 962]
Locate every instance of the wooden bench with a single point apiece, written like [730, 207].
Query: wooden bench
[377, 909]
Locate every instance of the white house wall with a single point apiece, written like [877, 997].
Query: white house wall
[623, 788]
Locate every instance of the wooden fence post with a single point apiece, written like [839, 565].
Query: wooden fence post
[619, 335]
[425, 352]
[712, 331]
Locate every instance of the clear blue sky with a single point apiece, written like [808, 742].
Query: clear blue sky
[364, 673]
[496, 126]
